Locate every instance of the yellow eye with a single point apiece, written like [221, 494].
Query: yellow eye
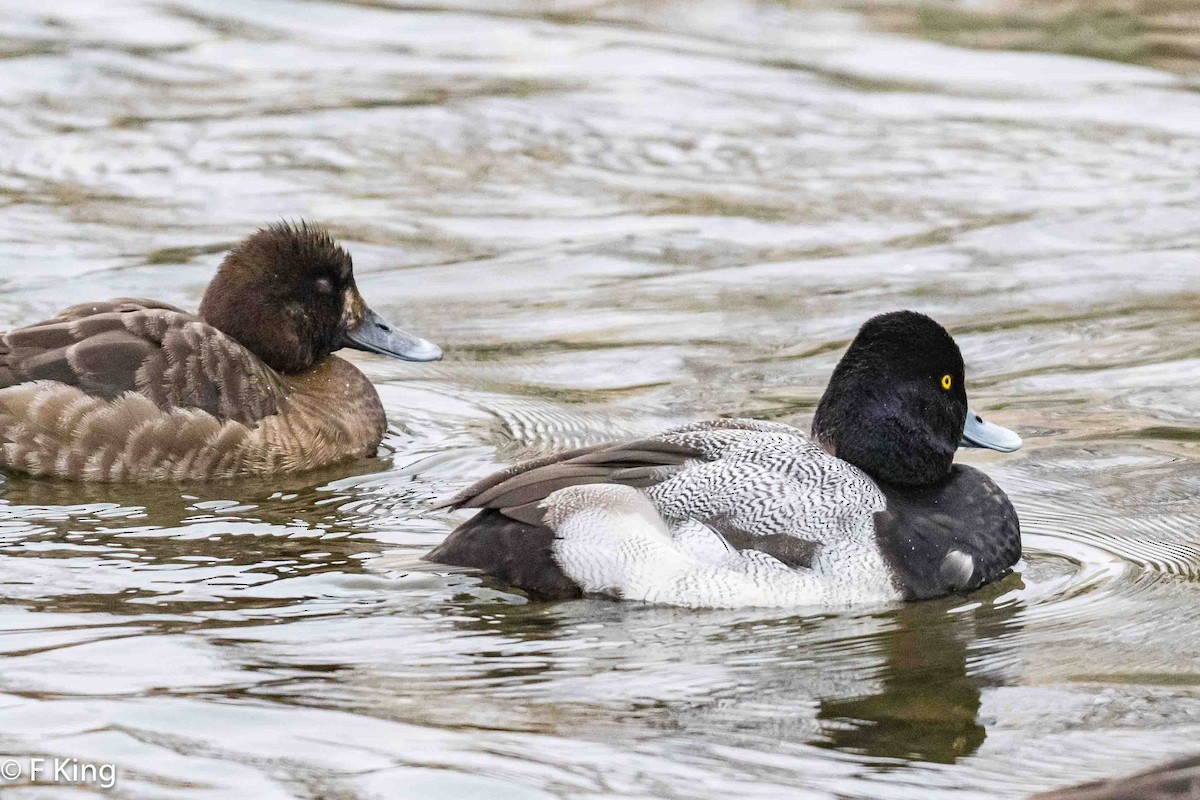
[947, 382]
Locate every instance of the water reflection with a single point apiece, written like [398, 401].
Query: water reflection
[904, 684]
[928, 705]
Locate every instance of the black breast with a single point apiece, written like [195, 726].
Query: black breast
[956, 536]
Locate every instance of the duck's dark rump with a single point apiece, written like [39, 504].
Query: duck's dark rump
[923, 530]
[514, 552]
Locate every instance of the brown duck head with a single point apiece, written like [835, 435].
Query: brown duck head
[287, 294]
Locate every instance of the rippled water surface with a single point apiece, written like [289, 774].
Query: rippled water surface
[615, 217]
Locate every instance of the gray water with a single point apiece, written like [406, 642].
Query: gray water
[615, 217]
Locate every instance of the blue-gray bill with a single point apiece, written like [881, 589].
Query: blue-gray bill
[978, 433]
[376, 335]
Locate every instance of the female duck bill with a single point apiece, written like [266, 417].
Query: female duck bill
[376, 335]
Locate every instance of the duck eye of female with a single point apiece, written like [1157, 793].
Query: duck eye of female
[947, 382]
[324, 286]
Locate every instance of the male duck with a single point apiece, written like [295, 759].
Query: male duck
[739, 512]
[136, 390]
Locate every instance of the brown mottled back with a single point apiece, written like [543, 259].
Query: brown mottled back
[134, 389]
[163, 353]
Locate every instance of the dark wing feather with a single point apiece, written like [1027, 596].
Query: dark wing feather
[130, 344]
[537, 484]
[516, 491]
[791, 550]
[463, 498]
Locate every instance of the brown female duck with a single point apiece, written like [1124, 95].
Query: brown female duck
[136, 390]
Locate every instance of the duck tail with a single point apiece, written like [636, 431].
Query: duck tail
[514, 552]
